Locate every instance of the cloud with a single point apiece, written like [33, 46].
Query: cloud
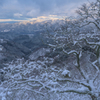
[34, 20]
[18, 15]
[23, 9]
[33, 13]
[50, 17]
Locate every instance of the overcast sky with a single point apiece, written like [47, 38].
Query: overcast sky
[32, 9]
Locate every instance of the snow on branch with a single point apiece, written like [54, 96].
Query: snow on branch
[96, 67]
[79, 91]
[71, 52]
[74, 81]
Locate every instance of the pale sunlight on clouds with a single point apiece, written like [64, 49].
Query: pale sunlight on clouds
[19, 10]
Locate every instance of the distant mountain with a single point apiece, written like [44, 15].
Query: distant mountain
[10, 50]
[11, 30]
[20, 47]
[18, 40]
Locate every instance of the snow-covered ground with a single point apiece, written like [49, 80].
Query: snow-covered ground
[39, 53]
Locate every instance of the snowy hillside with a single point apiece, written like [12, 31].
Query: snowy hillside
[52, 60]
[43, 79]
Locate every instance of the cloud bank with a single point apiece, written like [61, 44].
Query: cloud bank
[25, 9]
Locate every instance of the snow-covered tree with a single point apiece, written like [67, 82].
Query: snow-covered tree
[90, 14]
[74, 37]
[28, 80]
